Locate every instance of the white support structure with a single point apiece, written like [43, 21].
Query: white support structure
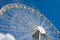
[41, 30]
[40, 34]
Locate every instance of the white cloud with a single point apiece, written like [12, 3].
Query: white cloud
[6, 37]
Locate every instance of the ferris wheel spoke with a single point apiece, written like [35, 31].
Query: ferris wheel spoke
[14, 15]
[26, 20]
[50, 35]
[29, 19]
[50, 26]
[47, 27]
[6, 19]
[30, 22]
[43, 23]
[4, 26]
[25, 36]
[7, 28]
[13, 30]
[11, 13]
[6, 16]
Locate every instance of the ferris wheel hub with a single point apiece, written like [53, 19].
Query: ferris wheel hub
[41, 29]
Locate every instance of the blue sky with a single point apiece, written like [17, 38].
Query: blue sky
[49, 8]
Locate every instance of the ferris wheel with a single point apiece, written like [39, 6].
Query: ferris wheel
[21, 22]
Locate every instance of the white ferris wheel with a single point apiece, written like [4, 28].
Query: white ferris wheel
[20, 22]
